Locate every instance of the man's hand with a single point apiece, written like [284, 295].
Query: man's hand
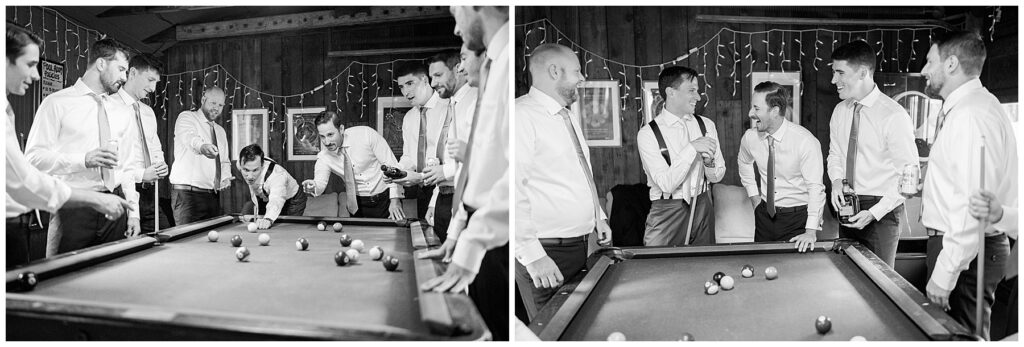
[985, 205]
[604, 233]
[754, 201]
[837, 194]
[860, 220]
[430, 215]
[225, 183]
[154, 172]
[309, 187]
[209, 151]
[455, 280]
[412, 178]
[937, 295]
[456, 149]
[433, 175]
[805, 241]
[705, 145]
[395, 209]
[444, 252]
[545, 273]
[134, 228]
[101, 157]
[264, 223]
[110, 205]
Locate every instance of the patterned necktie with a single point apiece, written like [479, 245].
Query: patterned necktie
[104, 129]
[216, 161]
[851, 149]
[460, 186]
[771, 176]
[350, 184]
[443, 139]
[564, 113]
[421, 147]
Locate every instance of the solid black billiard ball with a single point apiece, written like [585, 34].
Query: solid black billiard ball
[345, 240]
[236, 241]
[771, 273]
[26, 281]
[301, 244]
[747, 271]
[687, 337]
[823, 324]
[390, 263]
[718, 277]
[337, 227]
[341, 258]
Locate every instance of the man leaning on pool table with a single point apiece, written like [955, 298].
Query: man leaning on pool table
[271, 188]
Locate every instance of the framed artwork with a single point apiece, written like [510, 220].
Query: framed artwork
[303, 138]
[249, 126]
[788, 80]
[598, 109]
[652, 101]
[391, 112]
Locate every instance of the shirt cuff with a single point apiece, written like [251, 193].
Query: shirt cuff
[752, 191]
[944, 278]
[78, 159]
[449, 170]
[529, 253]
[878, 211]
[468, 255]
[813, 222]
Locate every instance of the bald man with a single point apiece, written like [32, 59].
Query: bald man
[202, 166]
[557, 206]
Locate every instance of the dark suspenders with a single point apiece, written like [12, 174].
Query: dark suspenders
[270, 169]
[663, 147]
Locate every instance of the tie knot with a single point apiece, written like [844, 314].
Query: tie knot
[564, 113]
[857, 107]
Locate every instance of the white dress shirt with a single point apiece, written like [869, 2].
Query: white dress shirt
[156, 150]
[369, 151]
[277, 188]
[66, 128]
[798, 169]
[885, 145]
[678, 132]
[487, 189]
[191, 167]
[463, 105]
[436, 110]
[953, 174]
[553, 196]
[27, 188]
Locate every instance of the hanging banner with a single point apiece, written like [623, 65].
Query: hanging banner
[52, 76]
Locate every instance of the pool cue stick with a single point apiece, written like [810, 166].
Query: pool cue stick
[980, 285]
[156, 206]
[693, 202]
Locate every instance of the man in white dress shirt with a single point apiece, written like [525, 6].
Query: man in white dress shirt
[84, 137]
[271, 188]
[789, 199]
[557, 205]
[200, 171]
[356, 154]
[670, 174]
[143, 74]
[971, 118]
[26, 187]
[421, 131]
[881, 133]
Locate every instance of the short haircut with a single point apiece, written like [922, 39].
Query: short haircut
[17, 39]
[967, 46]
[856, 52]
[673, 76]
[449, 57]
[106, 49]
[328, 117]
[411, 68]
[542, 55]
[250, 153]
[776, 96]
[212, 88]
[143, 62]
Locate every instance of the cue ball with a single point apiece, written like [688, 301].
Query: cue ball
[712, 290]
[213, 235]
[236, 241]
[390, 263]
[252, 227]
[321, 226]
[345, 240]
[352, 255]
[242, 254]
[341, 258]
[747, 271]
[687, 337]
[823, 324]
[727, 282]
[771, 273]
[858, 338]
[337, 227]
[616, 336]
[718, 277]
[301, 244]
[376, 253]
[358, 245]
[264, 239]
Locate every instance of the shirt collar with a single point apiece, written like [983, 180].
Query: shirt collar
[84, 89]
[498, 43]
[960, 93]
[551, 106]
[870, 99]
[127, 98]
[461, 93]
[432, 102]
[671, 118]
[779, 134]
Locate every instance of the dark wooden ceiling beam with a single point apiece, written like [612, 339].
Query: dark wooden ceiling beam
[121, 11]
[308, 20]
[707, 18]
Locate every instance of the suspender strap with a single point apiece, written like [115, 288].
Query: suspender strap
[270, 169]
[661, 142]
[703, 128]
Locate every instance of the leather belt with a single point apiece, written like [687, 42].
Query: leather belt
[189, 188]
[559, 241]
[446, 189]
[779, 209]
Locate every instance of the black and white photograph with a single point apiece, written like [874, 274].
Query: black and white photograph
[248, 127]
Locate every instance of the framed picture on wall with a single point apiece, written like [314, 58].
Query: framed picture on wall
[598, 109]
[652, 101]
[249, 126]
[788, 80]
[391, 112]
[303, 139]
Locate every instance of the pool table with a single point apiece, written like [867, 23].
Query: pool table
[658, 293]
[178, 285]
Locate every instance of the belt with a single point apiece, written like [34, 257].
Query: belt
[446, 190]
[24, 218]
[779, 209]
[189, 188]
[561, 241]
[374, 198]
[933, 232]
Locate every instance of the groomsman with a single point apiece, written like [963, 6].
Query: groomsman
[200, 170]
[421, 131]
[272, 191]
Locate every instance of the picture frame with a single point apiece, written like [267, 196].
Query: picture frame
[391, 112]
[651, 99]
[303, 138]
[789, 80]
[598, 109]
[249, 126]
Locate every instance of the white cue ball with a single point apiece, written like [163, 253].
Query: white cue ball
[616, 336]
[213, 235]
[858, 338]
[353, 255]
[357, 245]
[376, 253]
[321, 226]
[264, 239]
[727, 282]
[252, 227]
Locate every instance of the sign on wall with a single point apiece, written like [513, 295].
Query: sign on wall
[52, 76]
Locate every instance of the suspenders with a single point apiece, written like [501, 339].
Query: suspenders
[270, 169]
[663, 147]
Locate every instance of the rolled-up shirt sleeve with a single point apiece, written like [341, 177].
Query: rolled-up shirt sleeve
[26, 185]
[745, 164]
[811, 168]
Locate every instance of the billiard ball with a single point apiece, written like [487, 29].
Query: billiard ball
[341, 258]
[264, 239]
[213, 236]
[252, 227]
[390, 263]
[236, 241]
[301, 244]
[345, 240]
[718, 277]
[708, 284]
[687, 337]
[771, 273]
[747, 271]
[337, 227]
[376, 253]
[823, 324]
[712, 290]
[26, 281]
[242, 254]
[321, 226]
[858, 338]
[358, 245]
[616, 336]
[353, 255]
[727, 282]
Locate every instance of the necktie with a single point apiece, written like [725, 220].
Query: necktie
[443, 139]
[460, 186]
[216, 161]
[851, 150]
[938, 127]
[142, 136]
[421, 147]
[104, 129]
[771, 176]
[583, 161]
[350, 184]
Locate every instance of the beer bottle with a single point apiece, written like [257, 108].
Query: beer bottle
[851, 205]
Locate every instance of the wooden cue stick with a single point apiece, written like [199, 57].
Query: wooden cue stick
[156, 206]
[693, 199]
[980, 260]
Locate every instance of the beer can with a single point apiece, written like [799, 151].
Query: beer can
[910, 178]
[112, 145]
[433, 161]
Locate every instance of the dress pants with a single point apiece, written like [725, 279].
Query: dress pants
[442, 215]
[191, 206]
[963, 298]
[83, 227]
[881, 236]
[785, 225]
[374, 206]
[147, 209]
[570, 255]
[18, 229]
